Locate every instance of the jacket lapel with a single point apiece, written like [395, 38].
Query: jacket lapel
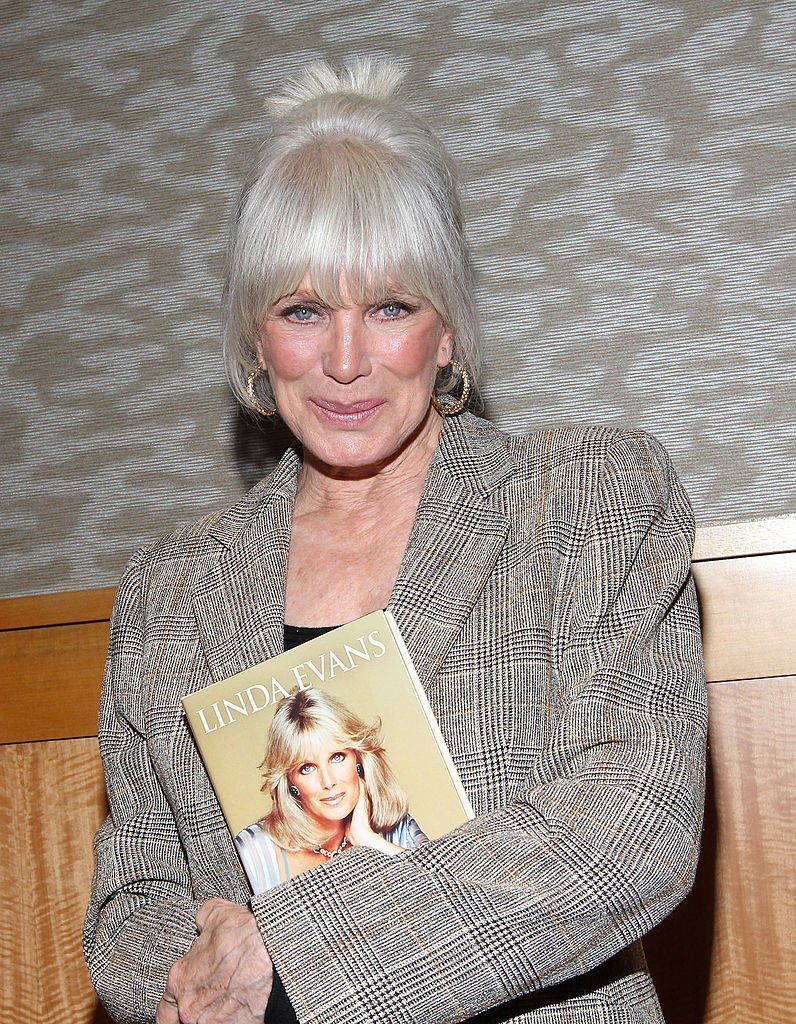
[458, 535]
[239, 603]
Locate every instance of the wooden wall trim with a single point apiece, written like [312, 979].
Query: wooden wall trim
[747, 607]
[66, 608]
[734, 540]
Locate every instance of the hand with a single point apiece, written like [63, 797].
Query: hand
[225, 976]
[360, 832]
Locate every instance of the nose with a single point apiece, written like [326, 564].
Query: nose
[347, 356]
[326, 776]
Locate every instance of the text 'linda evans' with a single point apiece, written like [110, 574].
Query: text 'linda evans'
[257, 697]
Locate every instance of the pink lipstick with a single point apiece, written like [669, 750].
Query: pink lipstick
[346, 414]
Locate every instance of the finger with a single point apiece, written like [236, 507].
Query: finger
[204, 912]
[167, 1012]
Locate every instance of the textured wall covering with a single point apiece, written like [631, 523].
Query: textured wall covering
[630, 188]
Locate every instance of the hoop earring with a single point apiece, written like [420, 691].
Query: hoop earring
[251, 380]
[450, 409]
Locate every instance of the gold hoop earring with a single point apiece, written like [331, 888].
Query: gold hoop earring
[450, 409]
[251, 380]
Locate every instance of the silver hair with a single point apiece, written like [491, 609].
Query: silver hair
[348, 183]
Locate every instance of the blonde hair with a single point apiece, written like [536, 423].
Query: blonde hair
[300, 718]
[349, 184]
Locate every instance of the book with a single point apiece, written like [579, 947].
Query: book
[361, 670]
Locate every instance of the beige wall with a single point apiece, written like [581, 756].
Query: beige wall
[630, 191]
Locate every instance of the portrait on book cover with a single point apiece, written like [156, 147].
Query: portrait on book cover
[331, 787]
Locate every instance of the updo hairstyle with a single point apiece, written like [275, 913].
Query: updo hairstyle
[348, 183]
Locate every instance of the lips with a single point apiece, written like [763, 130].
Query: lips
[348, 413]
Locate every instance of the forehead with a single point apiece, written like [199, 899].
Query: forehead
[318, 745]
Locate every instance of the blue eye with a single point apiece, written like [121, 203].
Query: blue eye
[392, 309]
[305, 769]
[303, 314]
[338, 756]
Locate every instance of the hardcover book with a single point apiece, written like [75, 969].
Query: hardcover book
[303, 737]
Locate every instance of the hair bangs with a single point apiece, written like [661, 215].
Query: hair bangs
[348, 222]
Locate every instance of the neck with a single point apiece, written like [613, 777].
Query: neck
[334, 841]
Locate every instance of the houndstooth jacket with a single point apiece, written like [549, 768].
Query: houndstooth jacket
[546, 601]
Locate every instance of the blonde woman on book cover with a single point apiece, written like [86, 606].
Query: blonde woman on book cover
[331, 788]
[540, 583]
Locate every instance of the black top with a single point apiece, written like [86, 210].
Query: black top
[295, 635]
[279, 1010]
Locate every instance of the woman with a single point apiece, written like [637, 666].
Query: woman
[331, 787]
[541, 585]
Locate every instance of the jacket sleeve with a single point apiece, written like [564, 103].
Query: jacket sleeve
[599, 845]
[140, 918]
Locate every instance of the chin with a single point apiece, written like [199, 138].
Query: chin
[355, 453]
[340, 446]
[334, 817]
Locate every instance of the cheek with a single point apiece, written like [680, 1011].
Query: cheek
[286, 358]
[416, 355]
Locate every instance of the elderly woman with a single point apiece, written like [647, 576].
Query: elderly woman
[541, 585]
[331, 787]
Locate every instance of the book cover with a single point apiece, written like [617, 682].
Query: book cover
[363, 674]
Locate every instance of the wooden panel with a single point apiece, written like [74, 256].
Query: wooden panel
[51, 681]
[753, 738]
[56, 609]
[726, 955]
[51, 803]
[747, 607]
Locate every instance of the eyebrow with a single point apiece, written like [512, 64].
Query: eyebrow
[386, 294]
[301, 296]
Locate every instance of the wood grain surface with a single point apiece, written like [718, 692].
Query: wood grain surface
[747, 608]
[57, 609]
[52, 800]
[734, 540]
[726, 955]
[52, 682]
[753, 738]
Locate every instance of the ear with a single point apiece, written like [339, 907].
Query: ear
[259, 350]
[445, 348]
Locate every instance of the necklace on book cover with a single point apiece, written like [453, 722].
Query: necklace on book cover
[332, 853]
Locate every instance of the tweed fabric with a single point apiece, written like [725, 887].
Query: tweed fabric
[545, 598]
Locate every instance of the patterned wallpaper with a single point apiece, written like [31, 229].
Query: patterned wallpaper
[631, 191]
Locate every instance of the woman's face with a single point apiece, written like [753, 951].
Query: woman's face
[327, 781]
[354, 383]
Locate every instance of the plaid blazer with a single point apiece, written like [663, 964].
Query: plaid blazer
[546, 601]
